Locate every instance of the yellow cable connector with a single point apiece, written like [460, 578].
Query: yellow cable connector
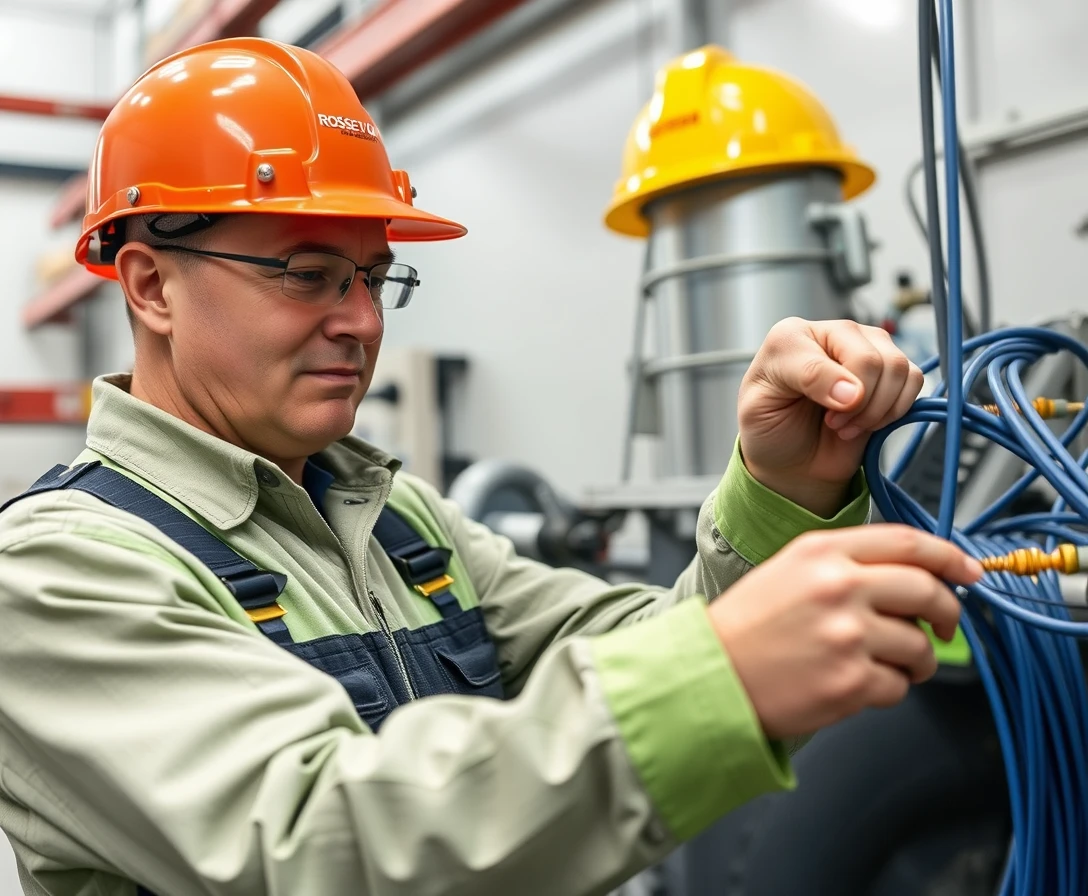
[1047, 408]
[1065, 558]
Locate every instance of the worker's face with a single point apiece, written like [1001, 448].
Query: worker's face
[278, 376]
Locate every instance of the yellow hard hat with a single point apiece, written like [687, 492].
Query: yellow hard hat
[712, 117]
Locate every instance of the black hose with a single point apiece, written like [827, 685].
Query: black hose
[982, 266]
[928, 42]
[926, 24]
[969, 181]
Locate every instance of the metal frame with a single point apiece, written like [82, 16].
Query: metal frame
[644, 370]
[989, 144]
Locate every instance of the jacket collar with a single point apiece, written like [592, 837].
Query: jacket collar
[217, 480]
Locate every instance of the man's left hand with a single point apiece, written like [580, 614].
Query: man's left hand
[812, 395]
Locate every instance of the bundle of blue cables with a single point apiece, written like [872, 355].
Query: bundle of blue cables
[1021, 633]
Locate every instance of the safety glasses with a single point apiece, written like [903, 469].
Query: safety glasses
[323, 278]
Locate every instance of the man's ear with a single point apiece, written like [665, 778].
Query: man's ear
[144, 285]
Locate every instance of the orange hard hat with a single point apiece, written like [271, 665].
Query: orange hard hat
[244, 125]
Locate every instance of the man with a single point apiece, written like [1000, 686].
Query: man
[244, 655]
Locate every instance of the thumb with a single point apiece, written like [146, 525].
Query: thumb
[822, 379]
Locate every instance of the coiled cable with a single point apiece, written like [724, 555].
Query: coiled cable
[1020, 630]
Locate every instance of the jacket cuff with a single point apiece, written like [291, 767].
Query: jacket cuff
[758, 522]
[689, 728]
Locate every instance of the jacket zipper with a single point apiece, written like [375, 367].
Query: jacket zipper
[383, 622]
[379, 611]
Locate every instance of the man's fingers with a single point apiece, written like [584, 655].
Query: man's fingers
[887, 686]
[847, 345]
[893, 543]
[911, 390]
[889, 396]
[912, 593]
[903, 645]
[804, 366]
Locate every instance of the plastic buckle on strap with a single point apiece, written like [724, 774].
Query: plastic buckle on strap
[255, 587]
[266, 614]
[434, 585]
[422, 564]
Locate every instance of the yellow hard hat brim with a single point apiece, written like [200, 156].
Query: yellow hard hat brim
[625, 214]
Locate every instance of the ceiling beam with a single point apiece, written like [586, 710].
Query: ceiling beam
[227, 18]
[400, 36]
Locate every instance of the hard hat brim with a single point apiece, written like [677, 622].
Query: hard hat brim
[625, 216]
[404, 222]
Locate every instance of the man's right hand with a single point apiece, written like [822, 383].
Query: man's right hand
[827, 627]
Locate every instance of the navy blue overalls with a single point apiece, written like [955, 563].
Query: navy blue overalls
[452, 656]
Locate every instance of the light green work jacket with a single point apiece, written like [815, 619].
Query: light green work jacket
[149, 733]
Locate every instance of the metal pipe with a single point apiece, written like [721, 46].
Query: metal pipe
[690, 26]
[399, 36]
[729, 260]
[55, 108]
[521, 24]
[637, 374]
[699, 359]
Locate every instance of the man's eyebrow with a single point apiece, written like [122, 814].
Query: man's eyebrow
[383, 256]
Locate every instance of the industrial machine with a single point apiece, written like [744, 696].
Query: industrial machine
[736, 178]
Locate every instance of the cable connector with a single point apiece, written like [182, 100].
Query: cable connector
[1047, 408]
[1065, 558]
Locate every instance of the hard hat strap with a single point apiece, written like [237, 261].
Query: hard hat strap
[199, 222]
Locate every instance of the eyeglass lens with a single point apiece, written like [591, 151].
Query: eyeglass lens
[321, 278]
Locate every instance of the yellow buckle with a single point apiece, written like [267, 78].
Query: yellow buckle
[264, 614]
[429, 588]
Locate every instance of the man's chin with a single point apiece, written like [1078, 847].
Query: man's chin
[325, 426]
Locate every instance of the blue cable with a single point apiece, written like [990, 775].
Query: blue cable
[1020, 630]
[954, 358]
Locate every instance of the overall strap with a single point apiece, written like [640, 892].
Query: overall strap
[422, 566]
[255, 589]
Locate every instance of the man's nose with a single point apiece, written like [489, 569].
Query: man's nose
[358, 315]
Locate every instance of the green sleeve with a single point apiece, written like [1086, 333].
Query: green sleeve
[689, 728]
[758, 522]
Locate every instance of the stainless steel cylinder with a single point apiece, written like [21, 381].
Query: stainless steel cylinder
[757, 259]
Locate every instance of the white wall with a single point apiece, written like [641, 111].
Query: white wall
[30, 46]
[1033, 203]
